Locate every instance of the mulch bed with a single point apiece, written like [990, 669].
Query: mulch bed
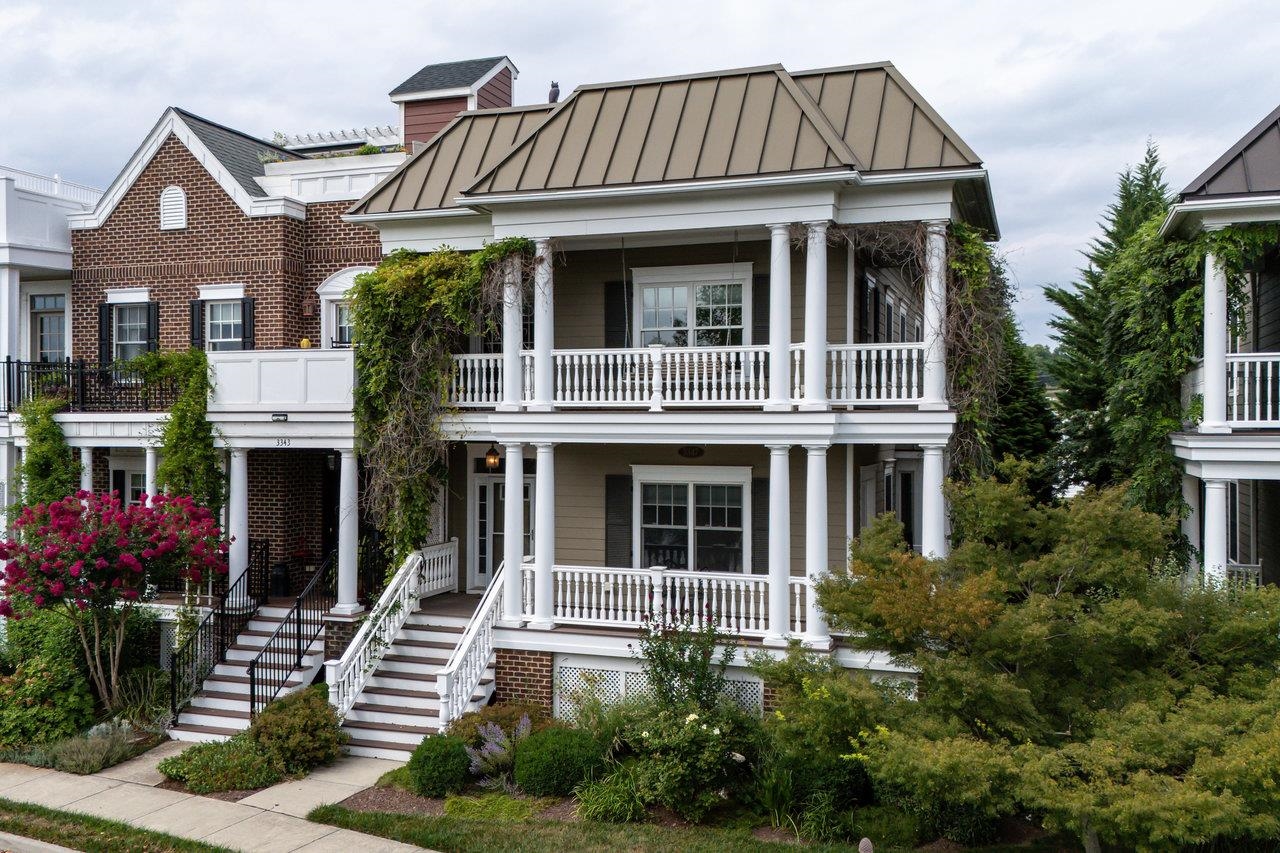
[393, 801]
[228, 796]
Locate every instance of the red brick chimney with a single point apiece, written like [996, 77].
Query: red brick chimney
[431, 98]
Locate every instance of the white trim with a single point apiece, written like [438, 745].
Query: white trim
[27, 345]
[831, 176]
[1216, 212]
[477, 451]
[691, 275]
[219, 292]
[332, 292]
[690, 475]
[128, 295]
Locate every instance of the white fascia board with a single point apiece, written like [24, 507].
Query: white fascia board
[39, 258]
[463, 230]
[1212, 213]
[1240, 455]
[135, 429]
[915, 201]
[831, 177]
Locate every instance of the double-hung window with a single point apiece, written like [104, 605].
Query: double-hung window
[130, 333]
[224, 325]
[694, 518]
[342, 324]
[705, 306]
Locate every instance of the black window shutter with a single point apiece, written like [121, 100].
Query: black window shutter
[875, 315]
[617, 311]
[864, 308]
[246, 318]
[759, 525]
[617, 520]
[197, 324]
[153, 326]
[760, 308]
[104, 333]
[117, 484]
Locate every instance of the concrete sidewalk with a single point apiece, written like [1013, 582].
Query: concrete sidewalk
[270, 821]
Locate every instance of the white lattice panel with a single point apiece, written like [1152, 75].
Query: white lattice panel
[576, 681]
[747, 693]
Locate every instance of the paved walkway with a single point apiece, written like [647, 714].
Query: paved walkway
[270, 821]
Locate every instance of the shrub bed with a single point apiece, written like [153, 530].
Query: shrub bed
[439, 766]
[302, 730]
[238, 764]
[554, 761]
[506, 715]
[43, 701]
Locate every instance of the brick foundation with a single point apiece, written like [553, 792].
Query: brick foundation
[339, 631]
[770, 698]
[523, 676]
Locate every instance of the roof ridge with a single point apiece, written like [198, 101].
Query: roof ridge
[835, 69]
[1250, 136]
[188, 114]
[672, 78]
[835, 141]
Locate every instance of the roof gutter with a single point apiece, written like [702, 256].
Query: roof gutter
[1183, 209]
[441, 213]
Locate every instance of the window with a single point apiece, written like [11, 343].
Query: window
[224, 326]
[173, 209]
[342, 326]
[694, 518]
[130, 338]
[705, 306]
[49, 327]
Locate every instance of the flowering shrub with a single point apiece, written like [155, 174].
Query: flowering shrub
[691, 763]
[494, 759]
[90, 558]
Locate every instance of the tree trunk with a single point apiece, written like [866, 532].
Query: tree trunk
[1089, 836]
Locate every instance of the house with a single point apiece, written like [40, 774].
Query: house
[712, 387]
[1231, 459]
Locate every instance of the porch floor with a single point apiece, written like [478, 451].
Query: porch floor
[450, 604]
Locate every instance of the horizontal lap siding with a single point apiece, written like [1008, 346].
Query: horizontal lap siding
[424, 119]
[496, 93]
[1267, 314]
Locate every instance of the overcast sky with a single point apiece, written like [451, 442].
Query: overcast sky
[1055, 98]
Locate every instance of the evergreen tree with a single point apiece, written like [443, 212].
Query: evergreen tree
[1023, 425]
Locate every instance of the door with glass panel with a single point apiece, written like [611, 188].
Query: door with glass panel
[490, 519]
[48, 328]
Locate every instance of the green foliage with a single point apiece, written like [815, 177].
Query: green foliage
[189, 462]
[682, 664]
[145, 699]
[888, 825]
[302, 730]
[607, 720]
[49, 471]
[43, 701]
[439, 766]
[238, 764]
[104, 746]
[554, 761]
[506, 715]
[82, 832]
[51, 635]
[367, 148]
[1023, 425]
[409, 315]
[613, 799]
[491, 807]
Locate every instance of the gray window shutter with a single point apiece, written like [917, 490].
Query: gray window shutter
[617, 520]
[197, 324]
[617, 313]
[104, 333]
[760, 308]
[153, 326]
[759, 525]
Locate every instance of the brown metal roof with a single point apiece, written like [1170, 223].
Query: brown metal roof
[740, 123]
[1252, 165]
[884, 120]
[468, 146]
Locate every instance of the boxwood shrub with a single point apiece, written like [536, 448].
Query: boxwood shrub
[439, 766]
[301, 729]
[552, 762]
[238, 764]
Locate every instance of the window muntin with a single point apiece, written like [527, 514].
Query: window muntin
[49, 327]
[717, 310]
[718, 315]
[665, 317]
[718, 527]
[343, 327]
[705, 520]
[224, 326]
[130, 338]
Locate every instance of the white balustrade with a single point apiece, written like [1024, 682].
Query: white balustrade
[735, 603]
[460, 677]
[589, 595]
[703, 376]
[607, 377]
[797, 371]
[1247, 574]
[875, 373]
[424, 573]
[1253, 389]
[477, 380]
[51, 185]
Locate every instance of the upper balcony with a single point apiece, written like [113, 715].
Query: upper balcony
[84, 387]
[1250, 392]
[33, 218]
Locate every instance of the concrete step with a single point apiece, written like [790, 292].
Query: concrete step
[363, 713]
[409, 735]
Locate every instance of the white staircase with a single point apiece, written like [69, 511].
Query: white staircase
[221, 707]
[399, 704]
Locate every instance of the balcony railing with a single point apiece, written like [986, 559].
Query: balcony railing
[1253, 389]
[695, 377]
[288, 380]
[85, 387]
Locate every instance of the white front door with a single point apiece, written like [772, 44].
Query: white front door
[489, 513]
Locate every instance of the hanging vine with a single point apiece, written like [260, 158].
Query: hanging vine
[410, 315]
[49, 470]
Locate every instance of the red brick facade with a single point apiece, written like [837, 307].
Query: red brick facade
[521, 675]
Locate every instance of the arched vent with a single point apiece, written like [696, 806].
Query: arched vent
[173, 209]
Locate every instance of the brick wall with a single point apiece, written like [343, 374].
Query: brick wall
[521, 675]
[331, 245]
[285, 500]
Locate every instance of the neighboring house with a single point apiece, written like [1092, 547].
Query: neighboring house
[1232, 459]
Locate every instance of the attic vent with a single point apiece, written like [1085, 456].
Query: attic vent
[173, 209]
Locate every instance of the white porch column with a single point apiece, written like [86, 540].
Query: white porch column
[779, 319]
[10, 494]
[933, 506]
[935, 317]
[1215, 348]
[512, 337]
[513, 535]
[238, 513]
[779, 544]
[86, 469]
[10, 286]
[1191, 523]
[544, 534]
[815, 320]
[543, 328]
[1215, 531]
[348, 534]
[817, 634]
[149, 475]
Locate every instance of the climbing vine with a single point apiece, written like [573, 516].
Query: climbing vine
[50, 470]
[189, 462]
[410, 315]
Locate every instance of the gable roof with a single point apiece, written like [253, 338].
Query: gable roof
[1250, 166]
[448, 75]
[884, 120]
[468, 146]
[739, 123]
[240, 153]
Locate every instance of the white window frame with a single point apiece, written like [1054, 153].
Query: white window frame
[690, 476]
[173, 208]
[209, 321]
[331, 291]
[115, 328]
[690, 276]
[132, 466]
[27, 343]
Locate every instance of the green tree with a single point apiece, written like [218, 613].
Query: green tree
[1023, 425]
[50, 470]
[1043, 360]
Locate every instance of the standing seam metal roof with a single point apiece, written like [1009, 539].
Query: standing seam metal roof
[1252, 165]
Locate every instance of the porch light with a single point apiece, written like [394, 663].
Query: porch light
[491, 458]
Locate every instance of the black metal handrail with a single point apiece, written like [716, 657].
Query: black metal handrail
[284, 651]
[207, 646]
[86, 387]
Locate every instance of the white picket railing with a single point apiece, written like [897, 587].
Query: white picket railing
[1253, 389]
[797, 371]
[711, 376]
[875, 373]
[428, 572]
[460, 677]
[609, 377]
[477, 380]
[1249, 574]
[51, 185]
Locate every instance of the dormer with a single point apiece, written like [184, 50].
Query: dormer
[431, 98]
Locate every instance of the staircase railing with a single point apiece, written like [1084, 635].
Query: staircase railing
[207, 646]
[460, 677]
[287, 646]
[424, 573]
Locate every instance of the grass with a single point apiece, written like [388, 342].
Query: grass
[494, 807]
[82, 832]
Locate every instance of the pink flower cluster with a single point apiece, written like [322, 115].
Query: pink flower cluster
[91, 550]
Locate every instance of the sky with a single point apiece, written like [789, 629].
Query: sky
[1056, 98]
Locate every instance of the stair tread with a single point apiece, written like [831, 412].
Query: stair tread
[217, 712]
[366, 725]
[415, 659]
[395, 709]
[369, 743]
[206, 730]
[223, 694]
[410, 676]
[403, 692]
[244, 679]
[444, 629]
[312, 648]
[425, 644]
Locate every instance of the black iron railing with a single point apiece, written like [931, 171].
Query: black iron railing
[283, 653]
[86, 387]
[207, 646]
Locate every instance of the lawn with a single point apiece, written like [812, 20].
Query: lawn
[81, 832]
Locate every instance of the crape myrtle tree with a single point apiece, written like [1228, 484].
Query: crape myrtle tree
[91, 559]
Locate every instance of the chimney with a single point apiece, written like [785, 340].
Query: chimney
[554, 94]
[434, 96]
